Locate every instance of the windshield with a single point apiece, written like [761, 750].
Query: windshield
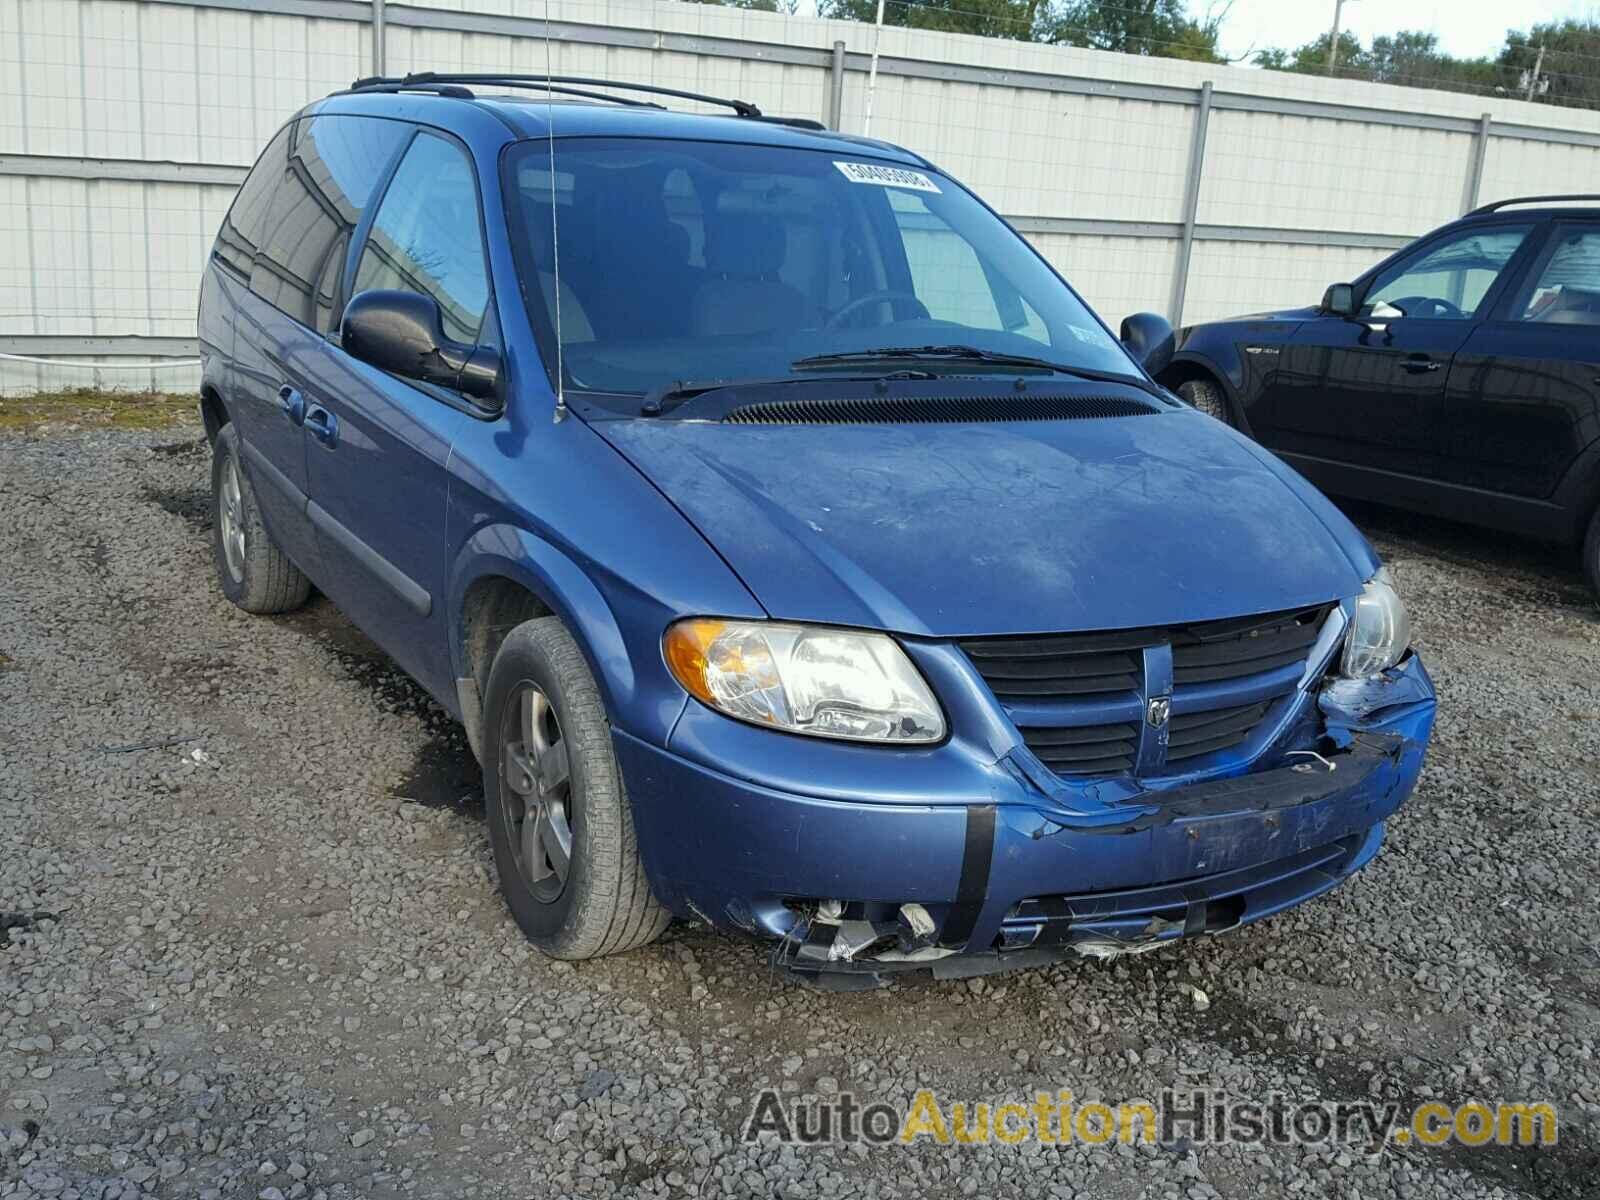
[705, 261]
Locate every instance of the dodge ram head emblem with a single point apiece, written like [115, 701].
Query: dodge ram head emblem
[1159, 709]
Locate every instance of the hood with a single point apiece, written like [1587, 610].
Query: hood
[1266, 323]
[1006, 527]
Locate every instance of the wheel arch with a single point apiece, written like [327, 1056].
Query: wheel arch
[505, 576]
[213, 411]
[1189, 368]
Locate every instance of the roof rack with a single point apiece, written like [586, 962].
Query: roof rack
[437, 81]
[1499, 204]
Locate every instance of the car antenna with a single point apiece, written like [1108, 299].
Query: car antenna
[555, 234]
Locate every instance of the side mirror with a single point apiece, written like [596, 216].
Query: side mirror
[403, 333]
[1149, 338]
[1339, 300]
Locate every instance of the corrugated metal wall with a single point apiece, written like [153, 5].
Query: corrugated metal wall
[126, 124]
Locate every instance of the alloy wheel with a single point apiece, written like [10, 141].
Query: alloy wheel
[231, 516]
[536, 793]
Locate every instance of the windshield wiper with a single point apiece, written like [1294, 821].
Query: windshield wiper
[669, 395]
[960, 354]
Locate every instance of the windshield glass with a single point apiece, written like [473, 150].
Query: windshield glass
[705, 261]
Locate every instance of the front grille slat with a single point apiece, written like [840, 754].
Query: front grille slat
[1096, 674]
[1208, 746]
[1085, 749]
[1234, 670]
[1205, 726]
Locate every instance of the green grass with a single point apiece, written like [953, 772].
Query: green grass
[88, 408]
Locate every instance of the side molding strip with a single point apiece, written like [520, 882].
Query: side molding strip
[259, 462]
[385, 572]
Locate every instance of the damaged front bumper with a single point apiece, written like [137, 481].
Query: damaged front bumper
[959, 883]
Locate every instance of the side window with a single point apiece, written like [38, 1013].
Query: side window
[332, 166]
[426, 236]
[1450, 280]
[245, 225]
[1566, 290]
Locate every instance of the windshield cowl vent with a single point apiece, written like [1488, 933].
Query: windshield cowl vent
[929, 410]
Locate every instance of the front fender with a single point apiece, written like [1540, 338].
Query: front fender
[528, 560]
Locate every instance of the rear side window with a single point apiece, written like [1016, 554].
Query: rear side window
[331, 168]
[1566, 289]
[245, 225]
[426, 236]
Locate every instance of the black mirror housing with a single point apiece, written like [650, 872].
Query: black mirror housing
[403, 333]
[1150, 339]
[1339, 300]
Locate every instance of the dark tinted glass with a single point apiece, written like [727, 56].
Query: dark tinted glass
[332, 166]
[243, 227]
[426, 236]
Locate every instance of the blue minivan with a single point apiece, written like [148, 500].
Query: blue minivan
[800, 553]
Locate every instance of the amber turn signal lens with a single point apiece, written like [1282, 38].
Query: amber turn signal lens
[686, 646]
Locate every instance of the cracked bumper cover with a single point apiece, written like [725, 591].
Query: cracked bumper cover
[1235, 849]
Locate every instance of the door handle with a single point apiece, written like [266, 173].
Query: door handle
[292, 403]
[1420, 365]
[324, 426]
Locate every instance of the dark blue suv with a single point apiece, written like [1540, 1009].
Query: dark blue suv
[1460, 376]
[799, 551]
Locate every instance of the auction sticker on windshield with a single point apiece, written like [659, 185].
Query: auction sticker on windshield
[887, 176]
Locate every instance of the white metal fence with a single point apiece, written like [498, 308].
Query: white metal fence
[1186, 188]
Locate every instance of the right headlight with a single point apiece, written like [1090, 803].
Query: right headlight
[1380, 631]
[815, 680]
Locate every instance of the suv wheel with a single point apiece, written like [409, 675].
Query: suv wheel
[1591, 553]
[558, 816]
[255, 574]
[1206, 396]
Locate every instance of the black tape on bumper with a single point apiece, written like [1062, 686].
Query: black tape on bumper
[973, 887]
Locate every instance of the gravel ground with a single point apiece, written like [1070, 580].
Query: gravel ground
[270, 961]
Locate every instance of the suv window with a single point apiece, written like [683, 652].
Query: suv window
[332, 166]
[245, 225]
[1450, 279]
[427, 237]
[1566, 290]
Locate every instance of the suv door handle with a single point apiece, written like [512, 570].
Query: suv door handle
[292, 403]
[1420, 364]
[324, 426]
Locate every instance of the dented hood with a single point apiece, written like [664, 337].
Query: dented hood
[1003, 527]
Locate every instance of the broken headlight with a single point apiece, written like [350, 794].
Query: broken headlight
[805, 679]
[1380, 631]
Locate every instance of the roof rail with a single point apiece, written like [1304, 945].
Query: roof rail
[398, 85]
[1499, 204]
[434, 80]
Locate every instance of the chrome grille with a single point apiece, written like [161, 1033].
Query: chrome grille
[1079, 700]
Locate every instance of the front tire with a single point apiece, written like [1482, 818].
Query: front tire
[254, 572]
[559, 819]
[1208, 397]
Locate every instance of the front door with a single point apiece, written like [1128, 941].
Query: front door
[1368, 390]
[377, 446]
[1524, 394]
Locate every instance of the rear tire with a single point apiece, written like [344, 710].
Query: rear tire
[1591, 554]
[1207, 397]
[560, 824]
[254, 573]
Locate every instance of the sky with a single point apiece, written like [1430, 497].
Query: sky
[1466, 28]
